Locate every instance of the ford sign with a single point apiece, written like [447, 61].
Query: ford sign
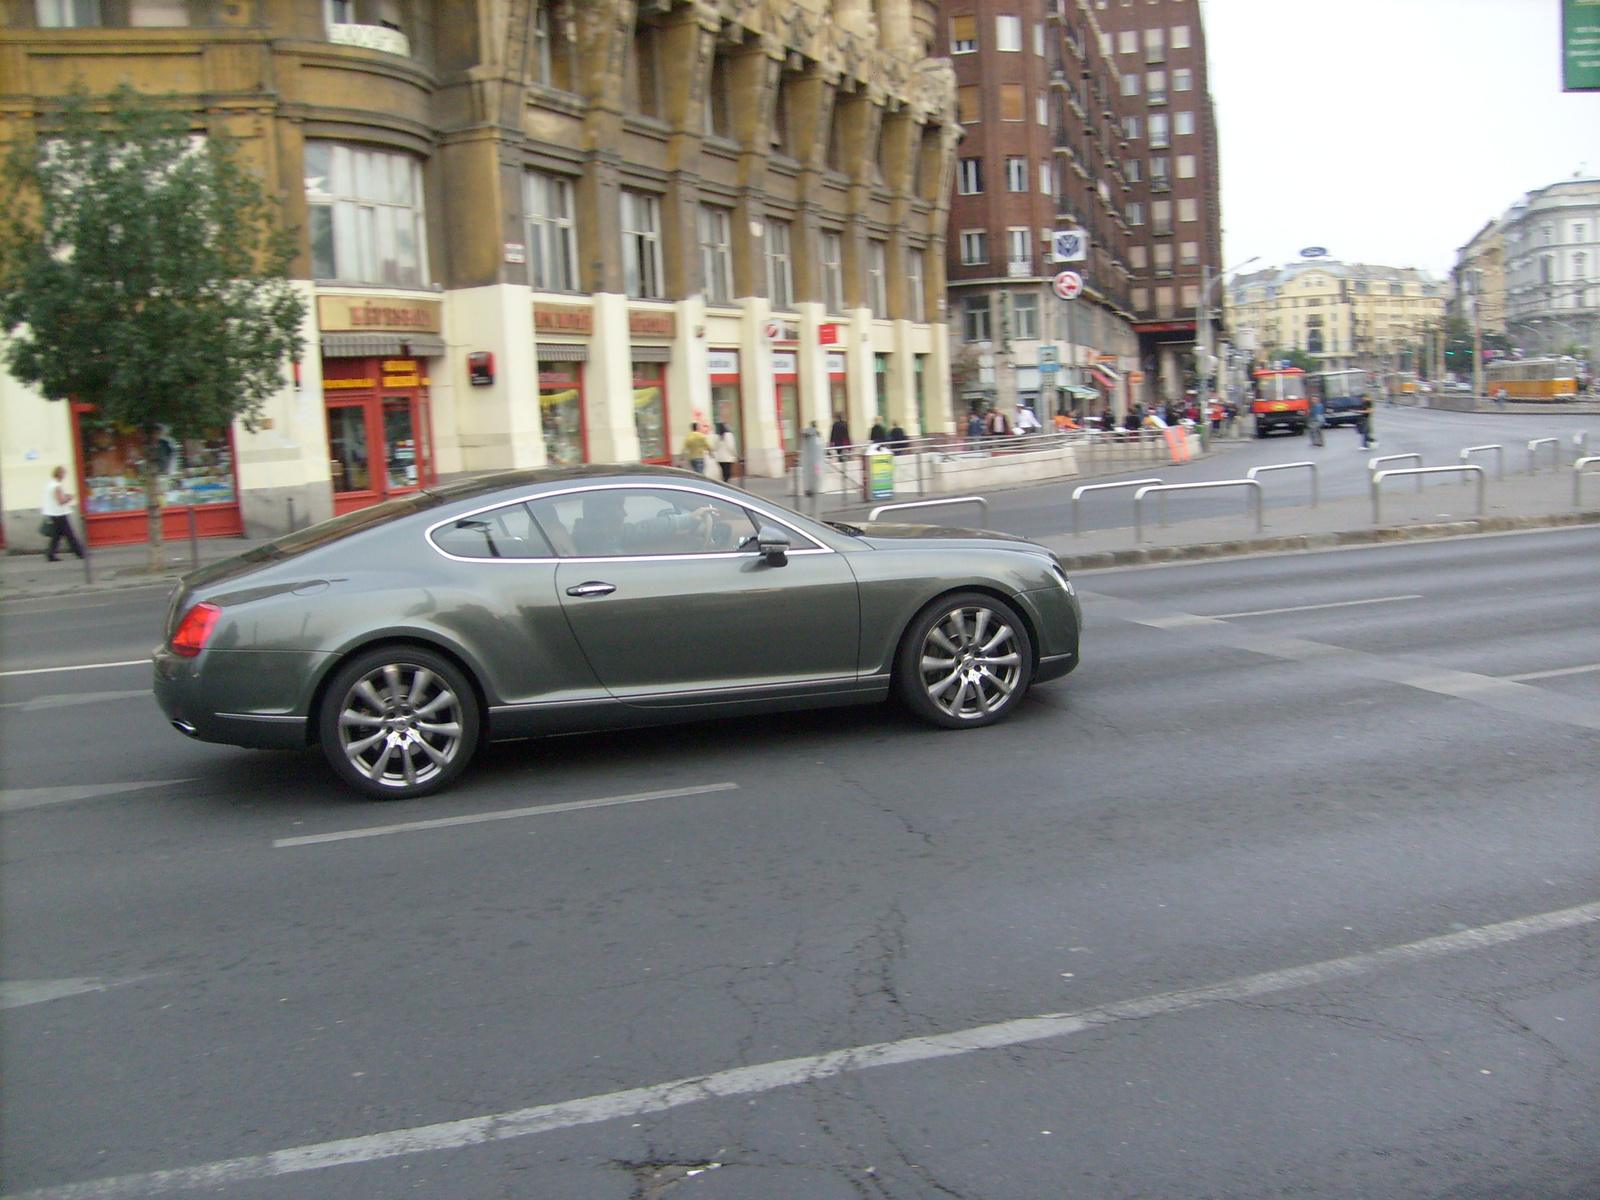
[1314, 252]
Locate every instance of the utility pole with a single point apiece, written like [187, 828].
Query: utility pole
[1202, 354]
[1477, 334]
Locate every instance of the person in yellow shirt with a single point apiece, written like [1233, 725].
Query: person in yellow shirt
[696, 448]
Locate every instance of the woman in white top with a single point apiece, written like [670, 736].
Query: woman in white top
[57, 509]
[725, 450]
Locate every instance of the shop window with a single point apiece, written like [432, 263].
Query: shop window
[66, 14]
[641, 245]
[348, 459]
[508, 532]
[561, 413]
[366, 215]
[650, 411]
[552, 239]
[716, 254]
[780, 270]
[1025, 316]
[832, 271]
[200, 471]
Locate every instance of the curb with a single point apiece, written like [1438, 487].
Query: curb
[1142, 556]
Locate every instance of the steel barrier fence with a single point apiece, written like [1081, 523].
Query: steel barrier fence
[1500, 457]
[883, 508]
[1101, 487]
[1253, 472]
[1465, 468]
[1161, 491]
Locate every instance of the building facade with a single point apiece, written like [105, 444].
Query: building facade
[1478, 280]
[1170, 163]
[1039, 153]
[1342, 314]
[534, 232]
[1552, 270]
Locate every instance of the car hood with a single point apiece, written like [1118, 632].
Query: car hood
[884, 535]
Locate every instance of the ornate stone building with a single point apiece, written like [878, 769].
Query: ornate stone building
[534, 231]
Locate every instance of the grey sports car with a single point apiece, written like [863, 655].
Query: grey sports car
[400, 636]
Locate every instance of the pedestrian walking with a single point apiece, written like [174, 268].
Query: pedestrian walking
[898, 441]
[57, 511]
[878, 435]
[1027, 421]
[726, 451]
[696, 448]
[1364, 422]
[1314, 425]
[839, 436]
[975, 426]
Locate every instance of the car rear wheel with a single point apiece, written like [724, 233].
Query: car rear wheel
[399, 722]
[965, 661]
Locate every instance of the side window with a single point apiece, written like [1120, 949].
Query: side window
[626, 522]
[507, 532]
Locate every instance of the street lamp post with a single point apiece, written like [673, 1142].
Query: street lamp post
[1202, 344]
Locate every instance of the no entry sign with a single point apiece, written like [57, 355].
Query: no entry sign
[1067, 285]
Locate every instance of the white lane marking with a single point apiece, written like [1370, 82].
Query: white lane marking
[766, 1077]
[16, 799]
[69, 699]
[1555, 674]
[1272, 612]
[132, 662]
[505, 814]
[20, 993]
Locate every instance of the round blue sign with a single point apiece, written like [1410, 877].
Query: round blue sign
[1314, 252]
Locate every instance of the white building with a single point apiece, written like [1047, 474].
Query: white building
[1552, 252]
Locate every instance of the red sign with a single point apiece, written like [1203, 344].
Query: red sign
[827, 335]
[1068, 285]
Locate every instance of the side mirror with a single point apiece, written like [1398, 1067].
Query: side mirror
[773, 545]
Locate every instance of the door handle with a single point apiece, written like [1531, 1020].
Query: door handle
[593, 588]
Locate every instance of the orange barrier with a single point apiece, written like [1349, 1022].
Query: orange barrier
[1177, 443]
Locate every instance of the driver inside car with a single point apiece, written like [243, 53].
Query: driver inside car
[602, 530]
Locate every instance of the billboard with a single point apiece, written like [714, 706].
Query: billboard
[1580, 45]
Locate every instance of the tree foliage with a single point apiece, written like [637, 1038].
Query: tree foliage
[142, 270]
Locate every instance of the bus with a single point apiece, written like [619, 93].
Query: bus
[1280, 401]
[1533, 378]
[1341, 393]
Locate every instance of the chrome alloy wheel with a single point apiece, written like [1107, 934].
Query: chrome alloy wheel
[400, 725]
[971, 662]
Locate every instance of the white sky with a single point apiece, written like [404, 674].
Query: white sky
[1388, 131]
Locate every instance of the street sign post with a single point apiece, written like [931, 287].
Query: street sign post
[1068, 285]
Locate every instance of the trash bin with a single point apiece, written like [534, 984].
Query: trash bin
[877, 475]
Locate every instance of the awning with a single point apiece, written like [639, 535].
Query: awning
[1106, 375]
[651, 353]
[379, 345]
[1081, 392]
[561, 352]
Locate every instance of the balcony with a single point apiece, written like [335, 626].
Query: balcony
[1160, 184]
[1019, 268]
[371, 37]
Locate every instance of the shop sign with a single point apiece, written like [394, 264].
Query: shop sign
[880, 476]
[364, 314]
[339, 385]
[652, 323]
[836, 364]
[563, 319]
[1136, 378]
[827, 335]
[722, 362]
[402, 381]
[783, 362]
[779, 330]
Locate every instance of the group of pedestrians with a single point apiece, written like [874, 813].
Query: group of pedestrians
[1317, 422]
[721, 449]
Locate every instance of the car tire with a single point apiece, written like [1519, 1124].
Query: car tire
[965, 661]
[399, 722]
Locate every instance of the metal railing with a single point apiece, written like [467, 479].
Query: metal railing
[1253, 472]
[1500, 457]
[1161, 491]
[1533, 453]
[1465, 468]
[1578, 473]
[1372, 463]
[883, 508]
[1102, 487]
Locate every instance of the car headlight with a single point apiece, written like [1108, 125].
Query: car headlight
[1061, 578]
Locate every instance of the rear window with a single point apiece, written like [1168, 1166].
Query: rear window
[342, 527]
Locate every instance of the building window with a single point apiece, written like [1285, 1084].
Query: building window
[641, 245]
[67, 14]
[1164, 301]
[1141, 300]
[1019, 246]
[1130, 83]
[716, 254]
[1158, 131]
[963, 35]
[1161, 216]
[717, 116]
[1191, 295]
[1016, 174]
[878, 278]
[1155, 82]
[1580, 232]
[1189, 254]
[1128, 41]
[1013, 106]
[915, 285]
[644, 72]
[1155, 45]
[1580, 267]
[1188, 210]
[1047, 179]
[974, 247]
[158, 14]
[1025, 316]
[1185, 166]
[1160, 169]
[1136, 257]
[1135, 213]
[552, 242]
[1183, 80]
[1038, 39]
[1106, 46]
[832, 271]
[1041, 110]
[969, 177]
[365, 214]
[1008, 33]
[1133, 170]
[1180, 37]
[1183, 123]
[1130, 129]
[780, 269]
[969, 105]
[975, 319]
[1163, 253]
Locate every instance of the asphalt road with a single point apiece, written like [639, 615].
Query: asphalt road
[1438, 435]
[1309, 896]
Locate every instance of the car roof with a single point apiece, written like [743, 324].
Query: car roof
[483, 485]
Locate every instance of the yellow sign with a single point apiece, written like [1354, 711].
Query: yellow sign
[369, 314]
[401, 381]
[330, 385]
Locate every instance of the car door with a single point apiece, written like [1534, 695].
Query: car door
[673, 605]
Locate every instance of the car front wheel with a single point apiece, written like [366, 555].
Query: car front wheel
[965, 661]
[399, 722]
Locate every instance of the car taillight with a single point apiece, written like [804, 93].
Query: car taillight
[190, 636]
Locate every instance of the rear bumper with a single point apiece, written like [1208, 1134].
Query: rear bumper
[238, 698]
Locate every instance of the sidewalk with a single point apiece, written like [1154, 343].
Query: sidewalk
[113, 568]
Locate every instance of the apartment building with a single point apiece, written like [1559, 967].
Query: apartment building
[540, 232]
[1552, 269]
[1039, 153]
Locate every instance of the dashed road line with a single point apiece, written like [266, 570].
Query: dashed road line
[16, 799]
[20, 993]
[766, 1077]
[73, 699]
[1298, 608]
[1555, 674]
[504, 814]
[132, 662]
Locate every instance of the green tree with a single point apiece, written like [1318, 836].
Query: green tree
[1299, 358]
[142, 271]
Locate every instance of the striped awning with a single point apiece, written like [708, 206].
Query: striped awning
[651, 353]
[378, 345]
[562, 352]
[1106, 375]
